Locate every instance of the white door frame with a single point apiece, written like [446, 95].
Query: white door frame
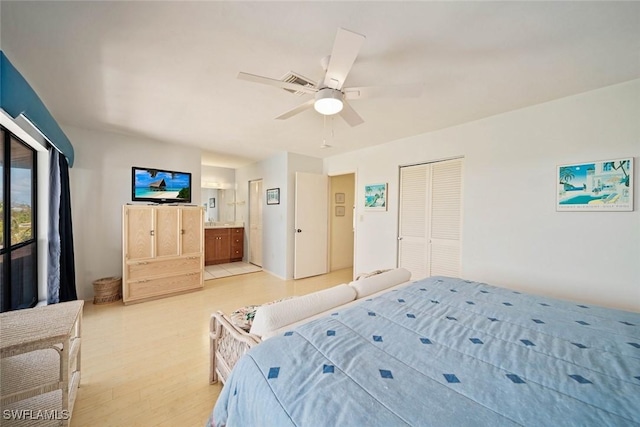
[249, 239]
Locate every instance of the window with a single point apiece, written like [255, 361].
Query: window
[18, 243]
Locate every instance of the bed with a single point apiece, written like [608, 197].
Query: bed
[443, 352]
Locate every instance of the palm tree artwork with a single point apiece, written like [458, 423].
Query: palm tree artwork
[566, 175]
[375, 196]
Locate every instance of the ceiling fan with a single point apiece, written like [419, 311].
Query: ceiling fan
[330, 94]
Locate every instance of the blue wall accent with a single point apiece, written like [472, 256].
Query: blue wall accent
[17, 97]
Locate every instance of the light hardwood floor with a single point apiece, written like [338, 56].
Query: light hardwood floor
[147, 364]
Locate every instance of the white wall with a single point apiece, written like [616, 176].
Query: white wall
[101, 185]
[512, 235]
[273, 172]
[277, 220]
[221, 177]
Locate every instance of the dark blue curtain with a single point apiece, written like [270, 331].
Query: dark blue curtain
[61, 277]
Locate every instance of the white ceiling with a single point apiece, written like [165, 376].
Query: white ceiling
[167, 70]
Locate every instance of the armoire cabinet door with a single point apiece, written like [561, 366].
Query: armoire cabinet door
[191, 231]
[138, 233]
[167, 232]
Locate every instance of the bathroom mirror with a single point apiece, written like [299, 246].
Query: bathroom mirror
[219, 205]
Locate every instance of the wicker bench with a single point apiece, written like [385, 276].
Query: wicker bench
[228, 343]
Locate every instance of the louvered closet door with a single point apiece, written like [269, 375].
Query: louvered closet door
[430, 209]
[412, 239]
[444, 250]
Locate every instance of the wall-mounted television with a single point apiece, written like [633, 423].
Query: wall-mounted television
[160, 186]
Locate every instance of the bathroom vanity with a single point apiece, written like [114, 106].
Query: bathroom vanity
[223, 243]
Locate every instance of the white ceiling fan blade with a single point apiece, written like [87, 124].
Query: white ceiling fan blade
[299, 109]
[350, 116]
[276, 83]
[345, 50]
[398, 91]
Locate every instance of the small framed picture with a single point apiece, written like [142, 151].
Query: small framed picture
[375, 197]
[339, 198]
[212, 202]
[273, 196]
[339, 210]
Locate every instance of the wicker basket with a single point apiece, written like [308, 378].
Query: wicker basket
[107, 289]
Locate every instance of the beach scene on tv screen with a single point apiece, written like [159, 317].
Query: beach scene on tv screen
[154, 184]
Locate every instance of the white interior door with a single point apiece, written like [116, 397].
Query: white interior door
[311, 230]
[255, 222]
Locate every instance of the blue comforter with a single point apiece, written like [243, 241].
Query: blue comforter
[444, 352]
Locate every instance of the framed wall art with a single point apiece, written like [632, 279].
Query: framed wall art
[339, 198]
[273, 196]
[375, 197]
[340, 211]
[595, 186]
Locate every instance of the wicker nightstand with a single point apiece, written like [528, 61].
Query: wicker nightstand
[40, 350]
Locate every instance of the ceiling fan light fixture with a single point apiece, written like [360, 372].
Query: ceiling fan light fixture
[328, 101]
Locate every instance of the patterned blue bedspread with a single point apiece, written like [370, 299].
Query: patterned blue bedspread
[444, 352]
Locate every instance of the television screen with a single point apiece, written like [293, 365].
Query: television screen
[160, 186]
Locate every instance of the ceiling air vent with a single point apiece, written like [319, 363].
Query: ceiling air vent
[292, 77]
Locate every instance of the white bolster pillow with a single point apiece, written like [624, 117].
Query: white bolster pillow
[274, 316]
[373, 284]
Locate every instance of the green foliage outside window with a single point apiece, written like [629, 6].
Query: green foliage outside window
[21, 229]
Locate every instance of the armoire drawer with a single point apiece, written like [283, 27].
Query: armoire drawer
[149, 288]
[160, 267]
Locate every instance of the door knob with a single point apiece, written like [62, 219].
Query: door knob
[298, 231]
